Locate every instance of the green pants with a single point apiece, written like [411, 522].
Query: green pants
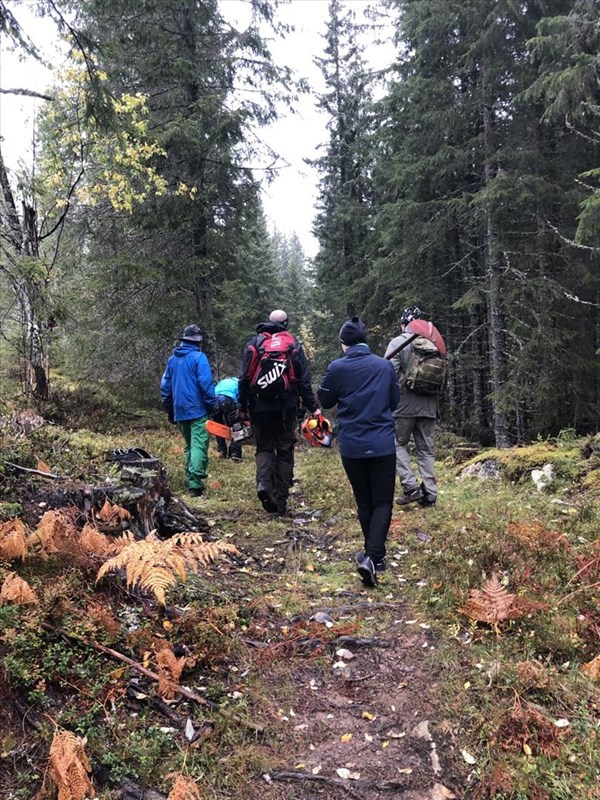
[195, 452]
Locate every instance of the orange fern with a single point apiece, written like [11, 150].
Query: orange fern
[156, 566]
[94, 543]
[13, 540]
[493, 604]
[111, 517]
[16, 590]
[184, 789]
[592, 669]
[56, 533]
[69, 767]
[169, 669]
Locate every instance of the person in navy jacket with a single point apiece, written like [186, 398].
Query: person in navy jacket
[188, 396]
[365, 389]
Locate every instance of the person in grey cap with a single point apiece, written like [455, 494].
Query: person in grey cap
[188, 396]
[365, 390]
[273, 375]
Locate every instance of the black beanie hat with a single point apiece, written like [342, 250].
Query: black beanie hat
[353, 331]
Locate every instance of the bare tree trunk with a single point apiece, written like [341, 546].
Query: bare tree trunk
[197, 166]
[23, 237]
[493, 294]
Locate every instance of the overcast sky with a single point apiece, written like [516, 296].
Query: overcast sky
[290, 200]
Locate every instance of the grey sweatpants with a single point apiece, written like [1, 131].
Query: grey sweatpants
[422, 430]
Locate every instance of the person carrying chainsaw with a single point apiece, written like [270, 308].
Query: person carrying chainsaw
[188, 396]
[273, 375]
[418, 355]
[227, 412]
[365, 390]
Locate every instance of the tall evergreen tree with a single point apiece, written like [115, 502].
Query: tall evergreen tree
[471, 183]
[344, 208]
[209, 88]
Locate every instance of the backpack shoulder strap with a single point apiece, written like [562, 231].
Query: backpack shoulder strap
[401, 346]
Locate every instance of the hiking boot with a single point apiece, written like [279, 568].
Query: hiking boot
[196, 492]
[366, 570]
[410, 497]
[427, 499]
[380, 565]
[266, 498]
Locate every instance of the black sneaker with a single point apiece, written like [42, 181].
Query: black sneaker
[380, 566]
[410, 497]
[196, 492]
[366, 570]
[267, 500]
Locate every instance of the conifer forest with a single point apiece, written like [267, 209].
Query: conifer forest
[177, 625]
[463, 179]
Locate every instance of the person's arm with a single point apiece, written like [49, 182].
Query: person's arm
[244, 383]
[328, 391]
[394, 389]
[166, 393]
[303, 381]
[205, 382]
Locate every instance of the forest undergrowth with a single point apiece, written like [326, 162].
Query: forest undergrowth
[254, 662]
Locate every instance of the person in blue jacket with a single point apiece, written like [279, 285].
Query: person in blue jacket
[188, 396]
[228, 413]
[365, 389]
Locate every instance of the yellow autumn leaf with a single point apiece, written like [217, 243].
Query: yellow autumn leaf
[368, 715]
[346, 737]
[385, 744]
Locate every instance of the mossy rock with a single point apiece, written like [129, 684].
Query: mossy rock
[517, 462]
[591, 482]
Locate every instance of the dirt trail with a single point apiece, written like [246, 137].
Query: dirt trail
[362, 720]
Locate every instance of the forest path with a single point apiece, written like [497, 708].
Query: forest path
[350, 672]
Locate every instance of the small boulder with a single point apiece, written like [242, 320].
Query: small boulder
[543, 477]
[482, 470]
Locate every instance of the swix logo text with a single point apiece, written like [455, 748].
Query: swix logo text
[272, 375]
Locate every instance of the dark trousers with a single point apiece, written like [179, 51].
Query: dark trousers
[373, 481]
[228, 413]
[275, 440]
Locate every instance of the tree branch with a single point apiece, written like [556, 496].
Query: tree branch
[27, 93]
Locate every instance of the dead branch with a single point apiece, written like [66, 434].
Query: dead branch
[253, 726]
[337, 782]
[357, 607]
[37, 471]
[360, 785]
[353, 641]
[27, 93]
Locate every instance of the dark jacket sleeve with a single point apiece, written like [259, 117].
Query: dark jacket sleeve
[303, 382]
[328, 391]
[394, 389]
[244, 383]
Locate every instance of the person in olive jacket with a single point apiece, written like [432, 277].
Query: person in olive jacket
[188, 396]
[365, 390]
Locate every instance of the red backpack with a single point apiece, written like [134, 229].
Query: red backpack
[271, 370]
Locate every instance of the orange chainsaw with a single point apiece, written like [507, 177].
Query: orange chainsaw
[239, 432]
